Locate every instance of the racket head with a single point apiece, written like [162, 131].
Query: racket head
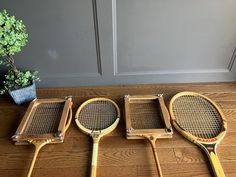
[197, 118]
[44, 119]
[146, 115]
[97, 116]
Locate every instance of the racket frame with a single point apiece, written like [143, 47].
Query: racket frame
[96, 134]
[40, 140]
[21, 138]
[208, 145]
[133, 133]
[189, 136]
[149, 134]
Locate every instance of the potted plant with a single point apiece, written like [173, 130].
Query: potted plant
[13, 36]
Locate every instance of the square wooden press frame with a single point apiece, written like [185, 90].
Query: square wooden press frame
[21, 137]
[165, 131]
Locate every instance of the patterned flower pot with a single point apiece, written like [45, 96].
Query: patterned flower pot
[24, 94]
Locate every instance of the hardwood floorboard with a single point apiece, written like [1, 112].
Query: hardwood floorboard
[181, 170]
[117, 157]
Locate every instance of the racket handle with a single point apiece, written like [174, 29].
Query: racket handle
[94, 159]
[38, 145]
[217, 168]
[153, 143]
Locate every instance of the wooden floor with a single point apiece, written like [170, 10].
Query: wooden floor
[118, 157]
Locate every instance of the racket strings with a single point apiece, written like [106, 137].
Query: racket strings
[46, 118]
[98, 115]
[145, 116]
[197, 116]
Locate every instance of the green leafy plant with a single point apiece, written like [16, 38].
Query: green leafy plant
[13, 37]
[23, 79]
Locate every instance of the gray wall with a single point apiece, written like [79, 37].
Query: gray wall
[104, 42]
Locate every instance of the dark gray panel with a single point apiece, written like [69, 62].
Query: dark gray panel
[104, 42]
[174, 37]
[62, 38]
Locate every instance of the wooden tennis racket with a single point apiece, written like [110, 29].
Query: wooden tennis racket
[201, 121]
[45, 122]
[97, 117]
[146, 116]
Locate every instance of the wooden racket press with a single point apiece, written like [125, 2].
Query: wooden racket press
[45, 122]
[147, 117]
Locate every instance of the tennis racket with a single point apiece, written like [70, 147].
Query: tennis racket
[97, 117]
[146, 116]
[201, 121]
[45, 122]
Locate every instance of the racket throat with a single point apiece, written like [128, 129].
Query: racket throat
[210, 148]
[95, 134]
